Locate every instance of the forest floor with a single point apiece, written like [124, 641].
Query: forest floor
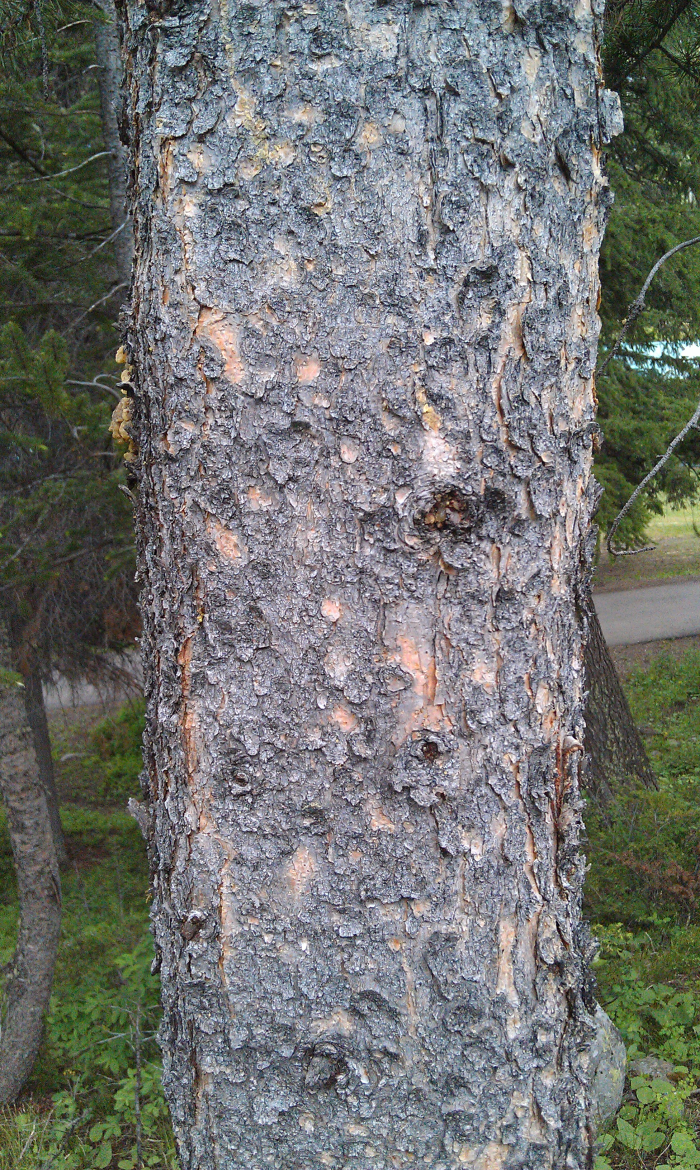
[84, 1109]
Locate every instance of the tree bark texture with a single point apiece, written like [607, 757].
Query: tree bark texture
[109, 72]
[36, 717]
[363, 337]
[28, 978]
[616, 756]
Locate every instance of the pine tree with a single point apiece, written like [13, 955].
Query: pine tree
[652, 57]
[65, 533]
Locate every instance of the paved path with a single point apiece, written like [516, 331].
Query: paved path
[671, 610]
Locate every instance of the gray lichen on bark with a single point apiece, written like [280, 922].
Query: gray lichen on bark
[363, 335]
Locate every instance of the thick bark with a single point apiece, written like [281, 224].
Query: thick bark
[36, 717]
[363, 334]
[617, 759]
[108, 54]
[28, 978]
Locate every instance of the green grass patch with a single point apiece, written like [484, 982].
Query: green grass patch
[91, 1103]
[643, 894]
[99, 765]
[675, 522]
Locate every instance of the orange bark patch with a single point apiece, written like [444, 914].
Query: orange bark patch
[184, 659]
[369, 136]
[421, 666]
[213, 325]
[188, 719]
[165, 168]
[231, 546]
[330, 608]
[491, 1157]
[258, 499]
[300, 870]
[344, 718]
[349, 450]
[308, 369]
[381, 822]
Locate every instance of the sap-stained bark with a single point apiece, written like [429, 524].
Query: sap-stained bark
[363, 336]
[26, 986]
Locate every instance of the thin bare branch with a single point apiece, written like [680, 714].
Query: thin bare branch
[19, 150]
[638, 304]
[101, 301]
[69, 171]
[96, 385]
[622, 552]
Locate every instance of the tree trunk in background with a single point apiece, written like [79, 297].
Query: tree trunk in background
[617, 758]
[363, 336]
[28, 977]
[109, 74]
[36, 716]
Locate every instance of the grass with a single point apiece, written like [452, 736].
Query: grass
[79, 1110]
[676, 535]
[643, 897]
[675, 523]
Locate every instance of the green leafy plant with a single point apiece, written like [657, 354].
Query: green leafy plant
[657, 1021]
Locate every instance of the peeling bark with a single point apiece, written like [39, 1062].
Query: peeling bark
[28, 977]
[617, 758]
[363, 335]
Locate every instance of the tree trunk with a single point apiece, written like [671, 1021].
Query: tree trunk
[36, 717]
[363, 335]
[617, 758]
[109, 72]
[29, 976]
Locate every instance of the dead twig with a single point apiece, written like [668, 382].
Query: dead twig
[637, 305]
[626, 552]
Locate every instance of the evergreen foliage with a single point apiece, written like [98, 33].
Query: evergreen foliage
[652, 56]
[66, 574]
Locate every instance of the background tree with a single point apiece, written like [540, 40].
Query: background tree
[28, 977]
[652, 58]
[649, 391]
[65, 561]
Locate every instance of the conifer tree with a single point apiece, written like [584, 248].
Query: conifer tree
[65, 541]
[652, 57]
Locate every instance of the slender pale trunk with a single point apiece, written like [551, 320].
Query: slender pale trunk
[363, 337]
[36, 717]
[108, 54]
[27, 979]
[617, 758]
